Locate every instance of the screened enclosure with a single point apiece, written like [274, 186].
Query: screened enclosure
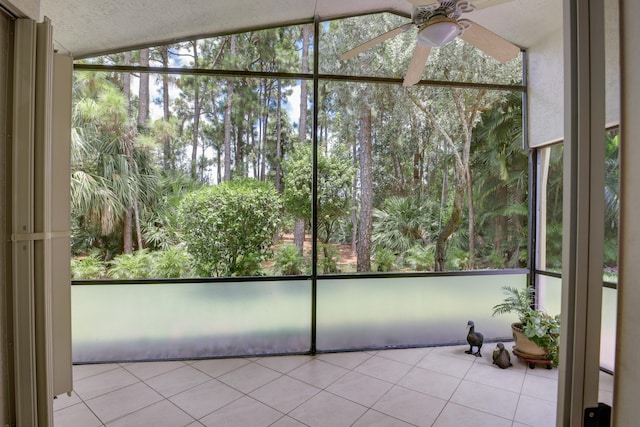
[254, 194]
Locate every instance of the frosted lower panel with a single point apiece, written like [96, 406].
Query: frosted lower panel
[373, 313]
[549, 294]
[608, 331]
[189, 320]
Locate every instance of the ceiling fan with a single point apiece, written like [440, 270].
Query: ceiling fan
[439, 23]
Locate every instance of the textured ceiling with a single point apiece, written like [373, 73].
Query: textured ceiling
[85, 27]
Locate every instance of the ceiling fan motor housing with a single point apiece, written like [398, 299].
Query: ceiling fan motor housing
[450, 9]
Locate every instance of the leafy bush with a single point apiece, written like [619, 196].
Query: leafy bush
[90, 267]
[385, 259]
[136, 265]
[328, 258]
[172, 263]
[289, 261]
[402, 222]
[421, 258]
[540, 327]
[228, 228]
[457, 259]
[335, 175]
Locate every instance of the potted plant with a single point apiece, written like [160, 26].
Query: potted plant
[536, 333]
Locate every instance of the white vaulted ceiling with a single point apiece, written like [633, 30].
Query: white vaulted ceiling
[86, 27]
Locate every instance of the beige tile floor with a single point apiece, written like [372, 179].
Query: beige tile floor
[439, 386]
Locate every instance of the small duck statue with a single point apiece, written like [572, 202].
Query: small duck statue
[475, 339]
[501, 356]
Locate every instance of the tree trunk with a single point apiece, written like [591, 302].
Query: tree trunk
[136, 212]
[196, 116]
[239, 160]
[366, 189]
[278, 159]
[449, 228]
[298, 235]
[143, 123]
[127, 83]
[467, 116]
[398, 175]
[501, 221]
[227, 133]
[143, 101]
[307, 30]
[265, 138]
[472, 228]
[227, 120]
[143, 119]
[167, 155]
[354, 201]
[127, 238]
[218, 166]
[299, 229]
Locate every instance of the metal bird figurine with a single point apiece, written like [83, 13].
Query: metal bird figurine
[501, 356]
[474, 339]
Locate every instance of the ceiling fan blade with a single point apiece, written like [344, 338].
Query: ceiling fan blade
[423, 2]
[371, 43]
[483, 4]
[418, 61]
[490, 43]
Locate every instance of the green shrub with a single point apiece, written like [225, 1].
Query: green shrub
[90, 267]
[136, 265]
[288, 261]
[385, 259]
[328, 258]
[229, 228]
[172, 263]
[421, 258]
[457, 259]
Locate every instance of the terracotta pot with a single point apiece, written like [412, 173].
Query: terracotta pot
[525, 345]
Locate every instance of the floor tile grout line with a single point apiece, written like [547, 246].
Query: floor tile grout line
[225, 373]
[302, 403]
[211, 378]
[110, 391]
[408, 361]
[83, 403]
[344, 367]
[483, 411]
[242, 393]
[320, 390]
[233, 401]
[247, 393]
[117, 365]
[149, 405]
[158, 375]
[132, 412]
[285, 415]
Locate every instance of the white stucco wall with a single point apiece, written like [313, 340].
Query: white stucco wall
[546, 85]
[612, 65]
[546, 90]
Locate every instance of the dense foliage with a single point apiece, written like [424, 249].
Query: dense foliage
[215, 172]
[229, 227]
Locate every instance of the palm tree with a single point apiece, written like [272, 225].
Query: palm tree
[112, 167]
[402, 223]
[500, 190]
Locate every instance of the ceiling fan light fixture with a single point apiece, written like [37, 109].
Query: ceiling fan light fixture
[438, 31]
